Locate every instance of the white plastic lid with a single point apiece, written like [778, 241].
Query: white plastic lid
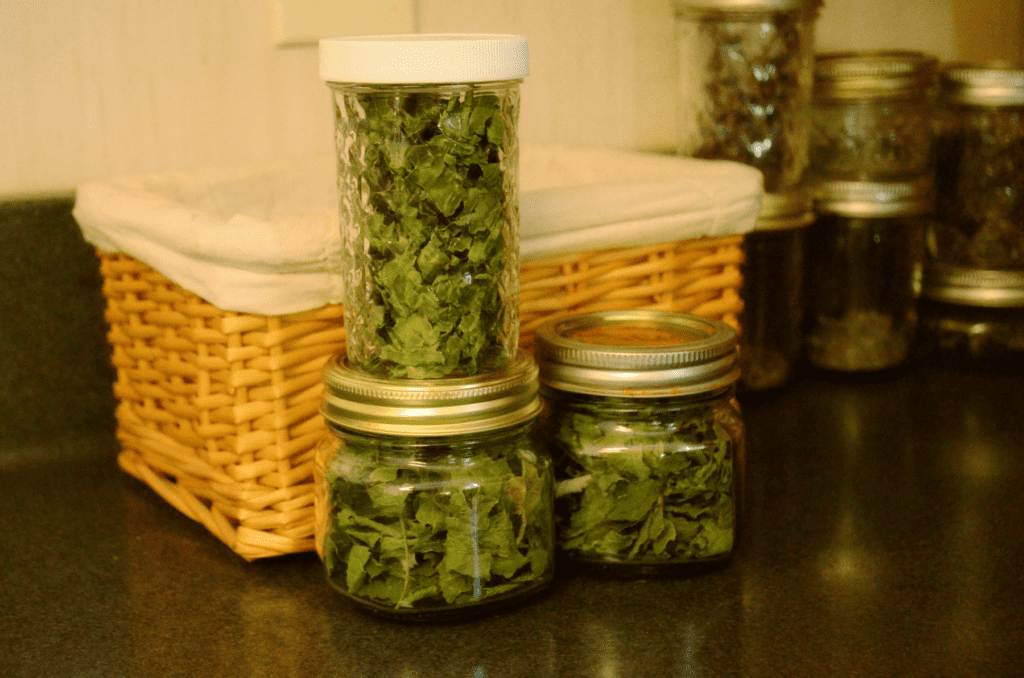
[424, 58]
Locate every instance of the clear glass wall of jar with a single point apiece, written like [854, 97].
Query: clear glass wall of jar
[872, 116]
[648, 441]
[864, 255]
[428, 162]
[980, 168]
[745, 79]
[771, 336]
[434, 500]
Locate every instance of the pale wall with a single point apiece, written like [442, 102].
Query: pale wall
[94, 88]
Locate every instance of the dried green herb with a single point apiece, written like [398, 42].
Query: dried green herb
[414, 527]
[434, 236]
[655, 485]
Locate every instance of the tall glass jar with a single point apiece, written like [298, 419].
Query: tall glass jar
[745, 78]
[863, 268]
[771, 338]
[428, 162]
[433, 498]
[980, 169]
[872, 116]
[647, 438]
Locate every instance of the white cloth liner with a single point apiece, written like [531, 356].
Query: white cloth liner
[264, 239]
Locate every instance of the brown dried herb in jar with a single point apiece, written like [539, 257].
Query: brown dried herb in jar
[745, 84]
[980, 169]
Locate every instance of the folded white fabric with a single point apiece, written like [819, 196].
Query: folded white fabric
[264, 239]
[577, 199]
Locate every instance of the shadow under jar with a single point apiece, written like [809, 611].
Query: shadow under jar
[744, 88]
[647, 439]
[864, 255]
[428, 183]
[434, 501]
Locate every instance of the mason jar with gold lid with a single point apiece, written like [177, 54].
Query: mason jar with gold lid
[433, 498]
[871, 115]
[864, 255]
[647, 437]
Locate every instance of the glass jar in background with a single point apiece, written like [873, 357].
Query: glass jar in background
[647, 439]
[433, 498]
[771, 336]
[872, 116]
[973, 315]
[745, 79]
[428, 162]
[980, 169]
[864, 256]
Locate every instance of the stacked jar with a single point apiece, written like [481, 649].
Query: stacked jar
[771, 341]
[871, 116]
[871, 150]
[745, 71]
[973, 293]
[745, 77]
[433, 500]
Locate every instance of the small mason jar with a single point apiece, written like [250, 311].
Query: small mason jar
[864, 255]
[872, 116]
[973, 315]
[428, 182]
[745, 79]
[433, 498]
[980, 168]
[771, 323]
[647, 439]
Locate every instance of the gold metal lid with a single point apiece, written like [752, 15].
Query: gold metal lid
[785, 210]
[686, 6]
[636, 353]
[431, 407]
[872, 199]
[974, 287]
[991, 84]
[867, 75]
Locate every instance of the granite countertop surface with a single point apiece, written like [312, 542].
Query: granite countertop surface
[882, 535]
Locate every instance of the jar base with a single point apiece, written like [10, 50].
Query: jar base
[444, 614]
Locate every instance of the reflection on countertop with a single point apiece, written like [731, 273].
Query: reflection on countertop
[882, 535]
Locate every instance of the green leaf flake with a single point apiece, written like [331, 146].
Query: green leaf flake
[439, 533]
[356, 573]
[660, 483]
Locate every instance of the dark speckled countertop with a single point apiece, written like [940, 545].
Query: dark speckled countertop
[883, 536]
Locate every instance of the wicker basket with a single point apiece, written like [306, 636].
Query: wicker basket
[218, 411]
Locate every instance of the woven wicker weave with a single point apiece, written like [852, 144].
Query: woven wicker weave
[218, 411]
